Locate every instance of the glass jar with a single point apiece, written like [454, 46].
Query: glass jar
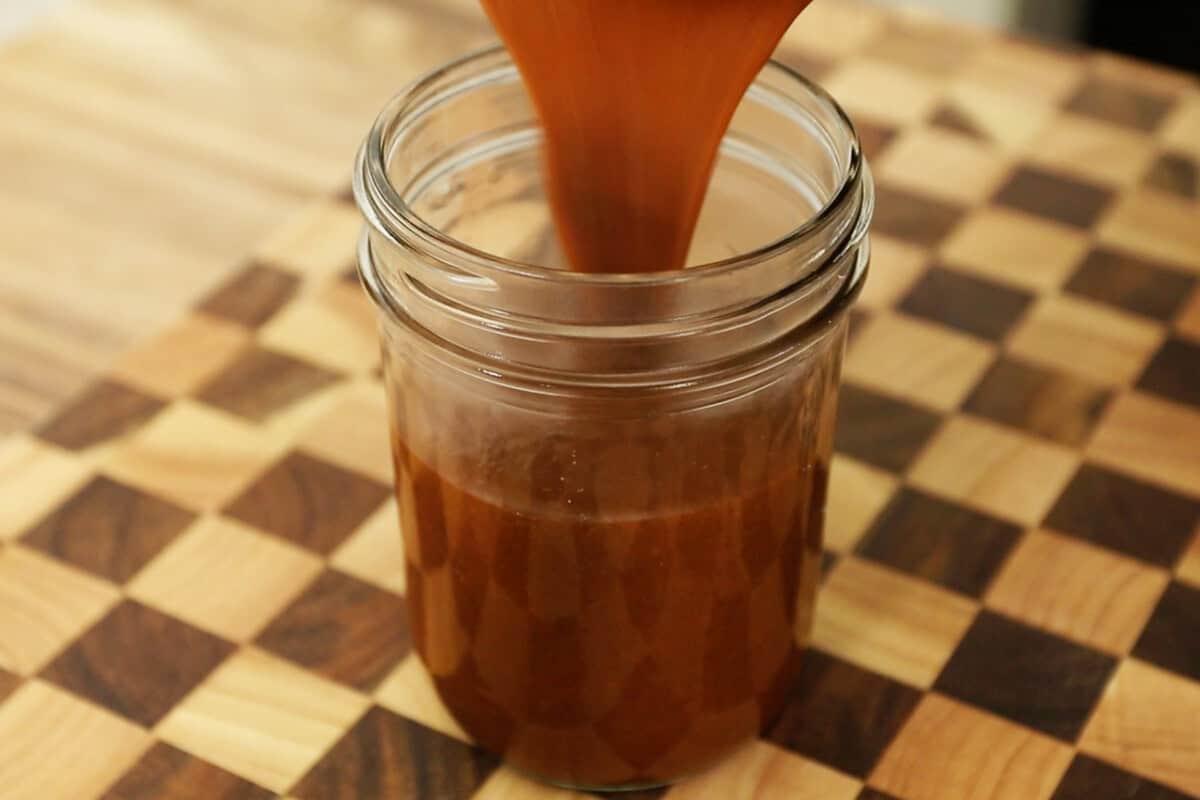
[611, 485]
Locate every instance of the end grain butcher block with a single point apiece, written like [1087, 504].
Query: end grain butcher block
[201, 577]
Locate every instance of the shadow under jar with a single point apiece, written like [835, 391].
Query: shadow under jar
[611, 486]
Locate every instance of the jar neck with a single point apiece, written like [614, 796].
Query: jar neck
[507, 314]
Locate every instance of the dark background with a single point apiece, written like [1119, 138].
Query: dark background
[1166, 31]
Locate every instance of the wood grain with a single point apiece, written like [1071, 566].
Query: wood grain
[165, 773]
[109, 529]
[889, 623]
[44, 605]
[950, 749]
[343, 629]
[57, 729]
[1147, 723]
[308, 501]
[106, 146]
[137, 662]
[385, 755]
[262, 718]
[1078, 591]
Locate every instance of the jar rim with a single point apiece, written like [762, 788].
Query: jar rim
[378, 197]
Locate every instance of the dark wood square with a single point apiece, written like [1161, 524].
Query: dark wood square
[1171, 639]
[138, 662]
[912, 217]
[939, 541]
[350, 275]
[949, 118]
[874, 136]
[1091, 779]
[344, 629]
[829, 560]
[252, 296]
[967, 303]
[1174, 372]
[1018, 672]
[105, 411]
[260, 382]
[385, 755]
[8, 684]
[1120, 104]
[1126, 515]
[880, 430]
[874, 794]
[309, 501]
[841, 714]
[1131, 284]
[1052, 404]
[1044, 194]
[1175, 174]
[109, 529]
[165, 773]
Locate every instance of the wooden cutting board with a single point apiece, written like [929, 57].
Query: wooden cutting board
[201, 575]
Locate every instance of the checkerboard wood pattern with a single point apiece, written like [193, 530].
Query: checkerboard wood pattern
[201, 575]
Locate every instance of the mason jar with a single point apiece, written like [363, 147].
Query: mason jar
[611, 486]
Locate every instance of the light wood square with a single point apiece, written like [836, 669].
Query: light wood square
[58, 746]
[409, 691]
[917, 360]
[1011, 118]
[1151, 439]
[1092, 150]
[997, 470]
[195, 455]
[336, 329]
[947, 749]
[1156, 225]
[1087, 339]
[895, 268]
[836, 30]
[354, 432]
[44, 605]
[257, 576]
[319, 242]
[888, 622]
[1016, 248]
[1189, 565]
[857, 493]
[1077, 590]
[34, 478]
[1148, 722]
[1022, 68]
[762, 771]
[375, 552]
[1181, 130]
[882, 91]
[183, 357]
[943, 164]
[262, 718]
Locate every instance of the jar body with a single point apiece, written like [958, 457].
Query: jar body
[611, 599]
[611, 487]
